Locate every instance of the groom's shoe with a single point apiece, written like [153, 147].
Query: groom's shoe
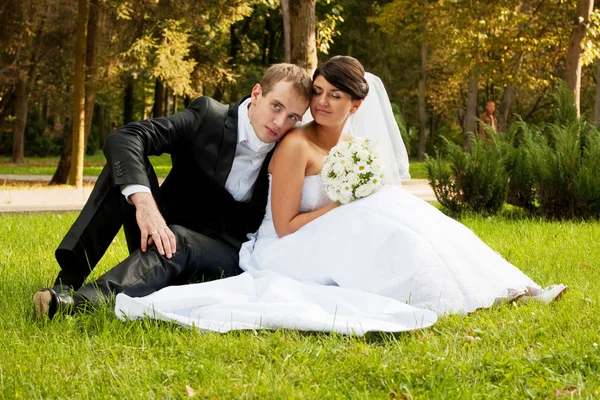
[49, 302]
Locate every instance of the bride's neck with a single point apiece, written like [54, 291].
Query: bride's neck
[328, 136]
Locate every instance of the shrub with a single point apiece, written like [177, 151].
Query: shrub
[475, 181]
[565, 160]
[519, 167]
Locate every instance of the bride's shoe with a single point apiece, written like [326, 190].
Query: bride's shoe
[511, 296]
[547, 295]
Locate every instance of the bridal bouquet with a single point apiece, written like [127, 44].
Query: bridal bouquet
[352, 171]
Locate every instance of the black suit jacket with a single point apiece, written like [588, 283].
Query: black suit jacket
[202, 141]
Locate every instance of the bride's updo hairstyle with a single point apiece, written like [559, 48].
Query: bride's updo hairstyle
[346, 74]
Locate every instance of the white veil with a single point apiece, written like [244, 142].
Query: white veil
[374, 120]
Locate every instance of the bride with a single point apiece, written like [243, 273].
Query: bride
[387, 262]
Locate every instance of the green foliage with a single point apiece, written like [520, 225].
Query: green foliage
[39, 141]
[448, 131]
[474, 181]
[410, 141]
[565, 160]
[519, 167]
[329, 17]
[553, 169]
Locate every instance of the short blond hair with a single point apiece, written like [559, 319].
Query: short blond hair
[299, 78]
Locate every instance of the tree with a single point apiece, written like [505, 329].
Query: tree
[31, 18]
[575, 49]
[303, 45]
[78, 129]
[413, 18]
[94, 28]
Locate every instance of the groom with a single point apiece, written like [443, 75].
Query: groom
[192, 226]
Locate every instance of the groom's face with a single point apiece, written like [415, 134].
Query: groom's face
[273, 114]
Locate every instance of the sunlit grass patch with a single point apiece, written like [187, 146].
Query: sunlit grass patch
[524, 351]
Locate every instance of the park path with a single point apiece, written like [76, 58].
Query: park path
[36, 196]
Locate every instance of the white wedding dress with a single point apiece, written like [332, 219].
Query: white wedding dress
[388, 262]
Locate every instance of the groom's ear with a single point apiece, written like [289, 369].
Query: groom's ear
[256, 91]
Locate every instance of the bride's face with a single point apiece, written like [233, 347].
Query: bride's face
[330, 106]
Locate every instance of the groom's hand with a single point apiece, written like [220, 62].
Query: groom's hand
[153, 227]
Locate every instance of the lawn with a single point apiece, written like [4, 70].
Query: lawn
[523, 351]
[93, 165]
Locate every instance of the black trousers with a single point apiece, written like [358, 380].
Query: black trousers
[99, 222]
[105, 211]
[198, 258]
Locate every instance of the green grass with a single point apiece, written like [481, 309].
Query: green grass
[418, 170]
[525, 351]
[93, 166]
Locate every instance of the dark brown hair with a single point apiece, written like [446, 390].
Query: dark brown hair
[345, 73]
[300, 80]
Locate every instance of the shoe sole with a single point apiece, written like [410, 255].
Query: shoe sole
[561, 294]
[41, 303]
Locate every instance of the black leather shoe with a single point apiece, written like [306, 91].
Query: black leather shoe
[47, 303]
[61, 288]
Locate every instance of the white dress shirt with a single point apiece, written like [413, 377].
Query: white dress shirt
[250, 153]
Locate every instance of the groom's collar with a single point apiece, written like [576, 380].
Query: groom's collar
[246, 133]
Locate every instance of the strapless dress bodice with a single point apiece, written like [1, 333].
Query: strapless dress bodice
[314, 197]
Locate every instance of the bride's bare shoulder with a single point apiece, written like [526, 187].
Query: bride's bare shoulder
[296, 138]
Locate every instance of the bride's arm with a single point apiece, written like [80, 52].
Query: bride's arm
[288, 169]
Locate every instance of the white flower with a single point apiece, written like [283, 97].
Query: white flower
[376, 180]
[345, 153]
[361, 167]
[363, 154]
[341, 146]
[352, 178]
[351, 171]
[346, 189]
[333, 194]
[345, 199]
[376, 168]
[364, 190]
[339, 168]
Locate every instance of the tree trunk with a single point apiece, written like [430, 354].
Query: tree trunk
[303, 42]
[78, 132]
[597, 104]
[470, 122]
[265, 42]
[575, 49]
[103, 125]
[159, 98]
[421, 97]
[508, 95]
[21, 107]
[128, 99]
[165, 110]
[285, 11]
[96, 15]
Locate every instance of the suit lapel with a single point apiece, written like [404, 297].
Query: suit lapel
[229, 144]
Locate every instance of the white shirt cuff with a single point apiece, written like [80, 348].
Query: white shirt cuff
[128, 190]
